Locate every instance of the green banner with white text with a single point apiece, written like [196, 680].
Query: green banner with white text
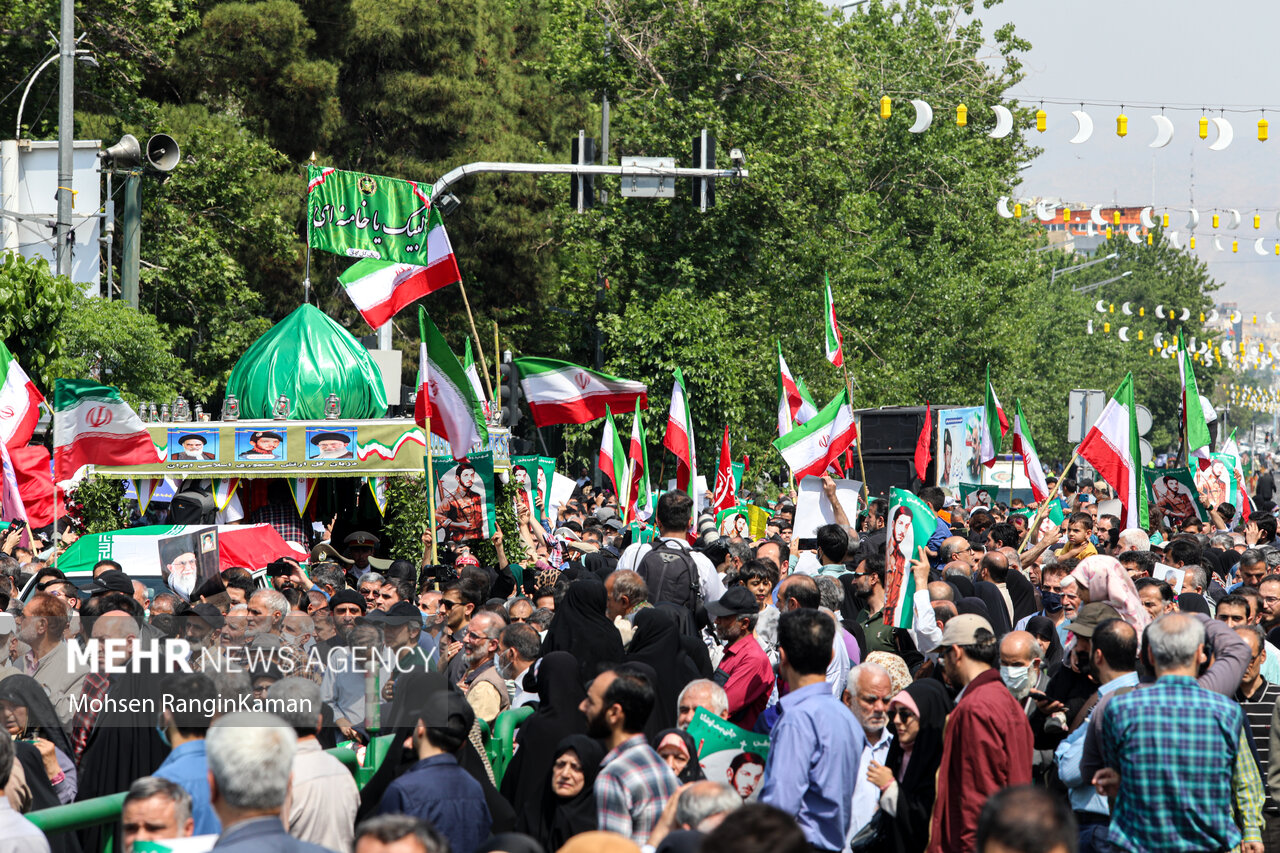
[369, 216]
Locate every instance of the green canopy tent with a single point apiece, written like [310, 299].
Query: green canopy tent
[306, 357]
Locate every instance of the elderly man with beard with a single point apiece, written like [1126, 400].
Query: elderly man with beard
[484, 687]
[267, 610]
[868, 696]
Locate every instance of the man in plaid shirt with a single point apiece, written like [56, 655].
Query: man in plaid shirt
[1176, 755]
[634, 783]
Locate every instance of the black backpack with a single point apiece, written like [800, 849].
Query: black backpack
[671, 575]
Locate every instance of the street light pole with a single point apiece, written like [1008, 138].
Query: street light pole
[66, 134]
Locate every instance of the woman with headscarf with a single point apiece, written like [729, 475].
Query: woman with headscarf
[656, 642]
[1102, 578]
[676, 747]
[1046, 634]
[997, 612]
[581, 628]
[568, 802]
[560, 692]
[28, 714]
[412, 691]
[907, 778]
[1023, 595]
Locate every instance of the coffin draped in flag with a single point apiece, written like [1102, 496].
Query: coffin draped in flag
[93, 425]
[1022, 443]
[812, 448]
[559, 392]
[455, 413]
[1112, 448]
[379, 289]
[1195, 427]
[19, 402]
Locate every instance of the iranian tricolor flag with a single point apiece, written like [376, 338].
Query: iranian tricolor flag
[640, 503]
[1196, 428]
[613, 461]
[454, 409]
[723, 497]
[833, 342]
[11, 506]
[794, 406]
[679, 439]
[993, 419]
[563, 393]
[1111, 447]
[1023, 444]
[812, 448]
[473, 372]
[379, 289]
[1242, 500]
[19, 402]
[93, 425]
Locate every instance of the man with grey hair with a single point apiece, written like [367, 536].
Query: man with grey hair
[19, 834]
[699, 807]
[1133, 539]
[399, 833]
[370, 586]
[323, 796]
[1196, 579]
[250, 760]
[1178, 792]
[266, 611]
[484, 687]
[869, 693]
[155, 809]
[701, 693]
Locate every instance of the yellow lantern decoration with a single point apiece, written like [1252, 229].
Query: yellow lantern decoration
[1151, 352]
[1142, 312]
[886, 107]
[1201, 316]
[1108, 232]
[1278, 250]
[1164, 221]
[1066, 214]
[1041, 120]
[1215, 220]
[1122, 125]
[1116, 216]
[1193, 241]
[1017, 210]
[1106, 328]
[1140, 335]
[1148, 238]
[1235, 245]
[1257, 221]
[1204, 127]
[1262, 130]
[1112, 308]
[962, 115]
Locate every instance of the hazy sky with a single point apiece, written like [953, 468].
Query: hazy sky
[1172, 52]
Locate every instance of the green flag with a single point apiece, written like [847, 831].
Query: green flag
[1193, 420]
[911, 522]
[1174, 491]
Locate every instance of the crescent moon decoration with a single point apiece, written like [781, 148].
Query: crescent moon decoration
[924, 117]
[1125, 309]
[1164, 353]
[1004, 122]
[1173, 239]
[1158, 340]
[1084, 127]
[1133, 234]
[1257, 247]
[1186, 314]
[1160, 312]
[1102, 309]
[1146, 219]
[1123, 333]
[1236, 317]
[1045, 211]
[1213, 315]
[1089, 328]
[1217, 243]
[1193, 219]
[1095, 216]
[1002, 208]
[1269, 318]
[1164, 132]
[1235, 219]
[1225, 134]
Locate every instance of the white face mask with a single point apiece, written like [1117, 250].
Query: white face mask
[1018, 680]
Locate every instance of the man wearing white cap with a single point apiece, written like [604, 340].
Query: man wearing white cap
[988, 743]
[8, 637]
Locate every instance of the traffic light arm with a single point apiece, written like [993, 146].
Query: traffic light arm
[573, 169]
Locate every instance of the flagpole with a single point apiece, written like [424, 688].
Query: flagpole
[848, 384]
[497, 376]
[484, 365]
[431, 492]
[1013, 468]
[1044, 507]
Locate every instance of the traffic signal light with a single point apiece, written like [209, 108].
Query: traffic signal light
[704, 157]
[511, 391]
[582, 188]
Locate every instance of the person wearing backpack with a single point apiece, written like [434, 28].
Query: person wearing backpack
[672, 570]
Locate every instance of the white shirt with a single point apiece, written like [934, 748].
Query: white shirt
[807, 564]
[866, 796]
[708, 577]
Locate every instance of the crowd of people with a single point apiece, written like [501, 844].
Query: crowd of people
[1060, 688]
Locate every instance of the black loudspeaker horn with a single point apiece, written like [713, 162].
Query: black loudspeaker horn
[125, 154]
[162, 152]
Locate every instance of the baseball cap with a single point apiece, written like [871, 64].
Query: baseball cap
[962, 630]
[110, 581]
[1090, 616]
[8, 625]
[736, 601]
[207, 612]
[400, 613]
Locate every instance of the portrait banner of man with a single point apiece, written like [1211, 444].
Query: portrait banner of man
[729, 753]
[193, 445]
[542, 486]
[463, 498]
[188, 559]
[974, 496]
[1175, 492]
[956, 448]
[260, 445]
[734, 522]
[910, 524]
[524, 473]
[325, 443]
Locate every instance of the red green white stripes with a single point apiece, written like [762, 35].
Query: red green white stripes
[812, 448]
[380, 289]
[994, 425]
[93, 425]
[833, 341]
[1022, 443]
[19, 402]
[679, 437]
[559, 392]
[613, 461]
[1111, 447]
[455, 413]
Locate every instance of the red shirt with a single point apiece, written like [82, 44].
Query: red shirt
[747, 677]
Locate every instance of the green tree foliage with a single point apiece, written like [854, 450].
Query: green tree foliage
[33, 302]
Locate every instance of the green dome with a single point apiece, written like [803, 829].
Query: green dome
[306, 357]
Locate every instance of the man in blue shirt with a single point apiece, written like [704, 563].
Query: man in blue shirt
[436, 789]
[812, 768]
[185, 731]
